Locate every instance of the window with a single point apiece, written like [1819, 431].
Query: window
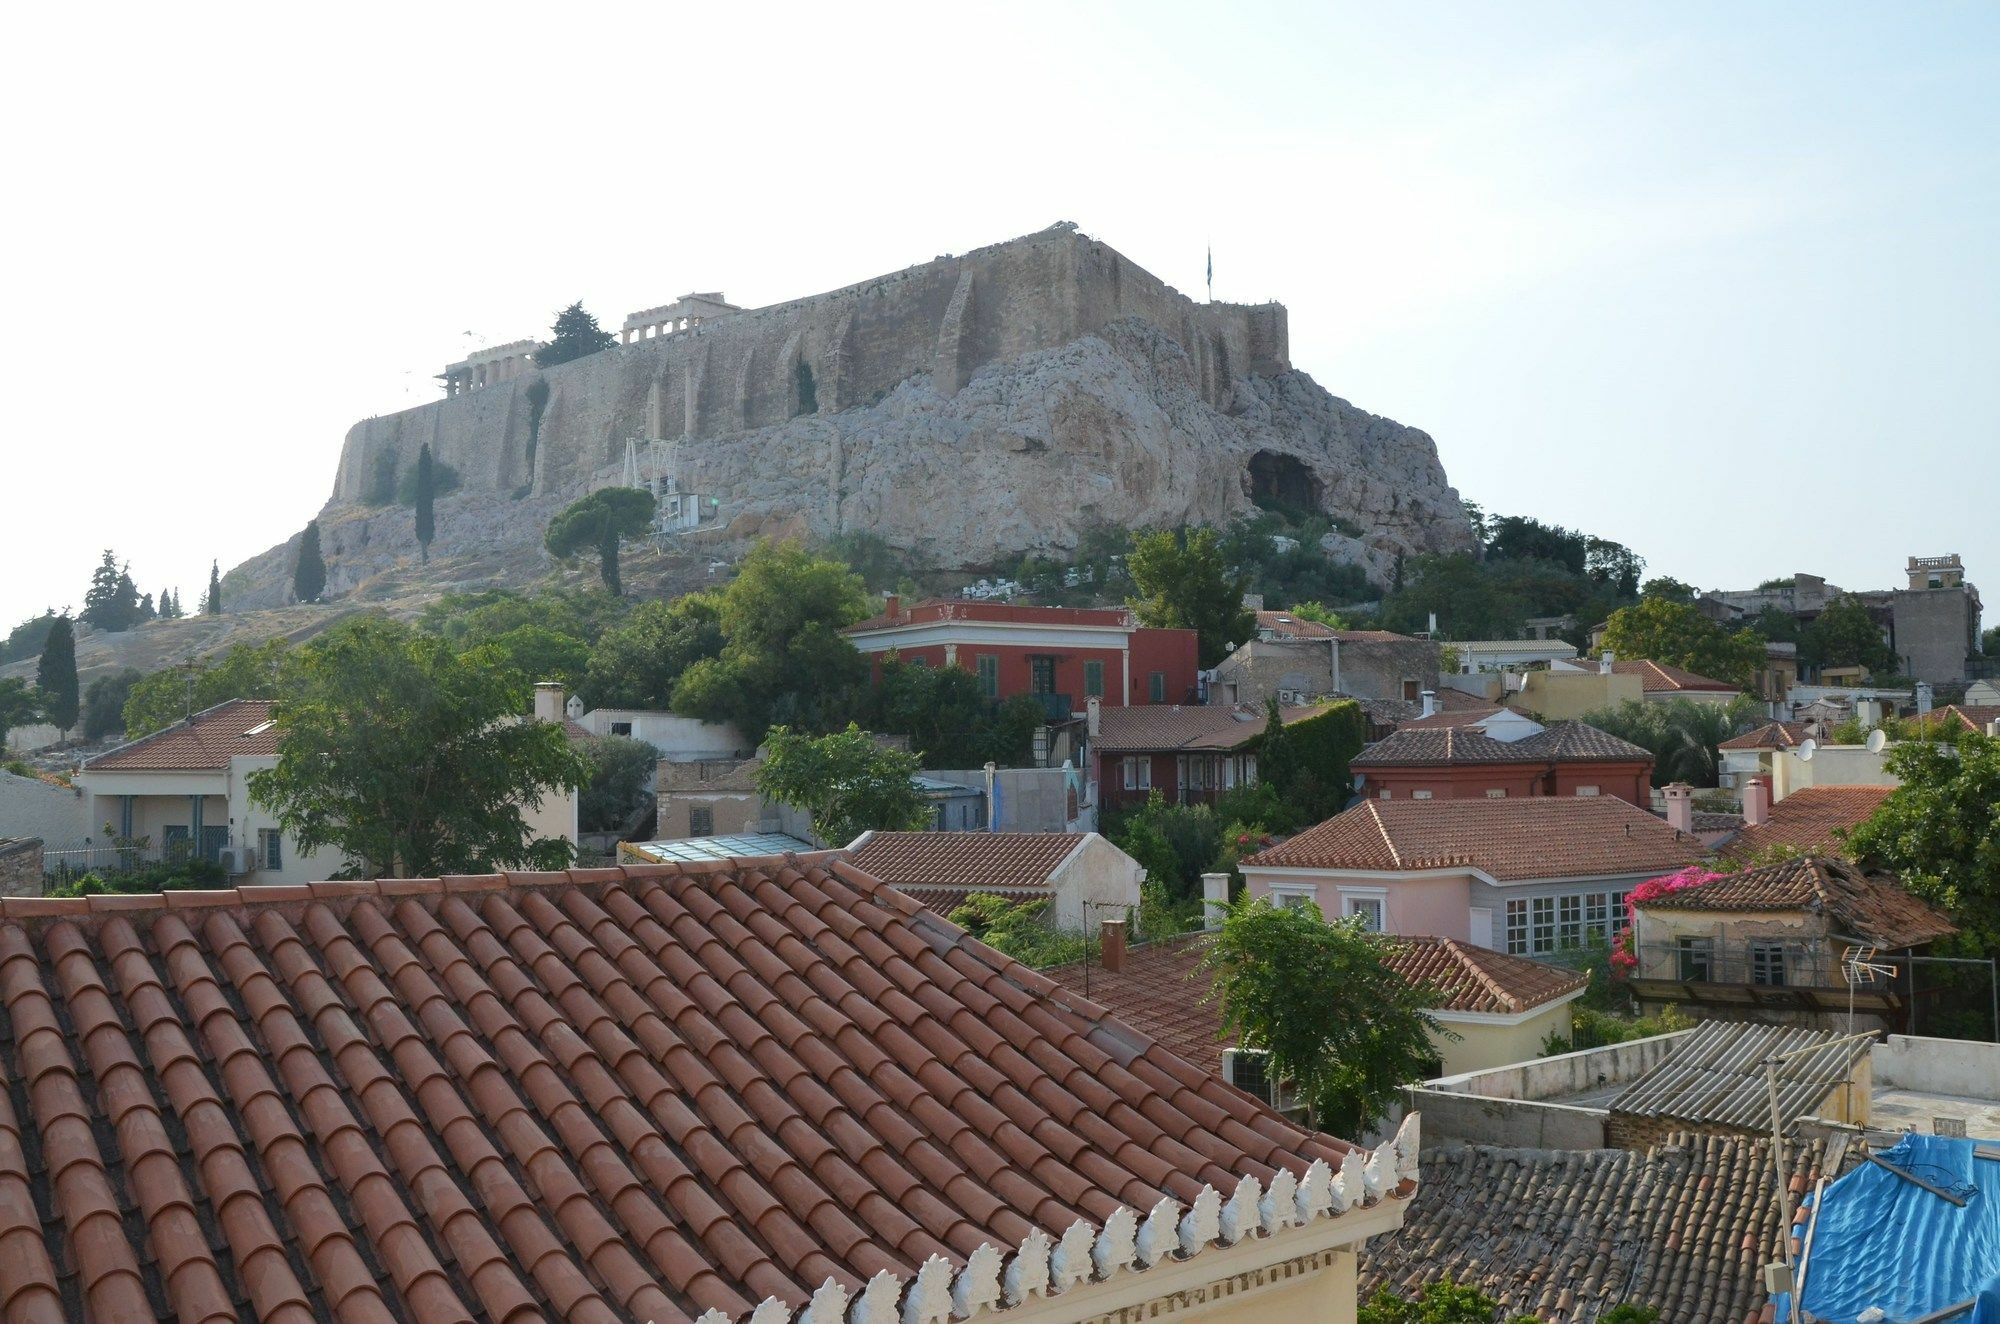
[1093, 680]
[1767, 963]
[1042, 675]
[1420, 795]
[1596, 915]
[1383, 793]
[1251, 1072]
[1138, 770]
[1586, 790]
[1621, 918]
[1543, 911]
[989, 674]
[621, 728]
[1157, 687]
[1412, 691]
[701, 821]
[1517, 927]
[1294, 898]
[1367, 908]
[270, 848]
[1569, 927]
[1496, 793]
[1697, 960]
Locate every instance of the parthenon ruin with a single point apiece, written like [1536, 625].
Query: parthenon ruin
[690, 310]
[488, 367]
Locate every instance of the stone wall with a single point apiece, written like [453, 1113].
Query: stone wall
[21, 867]
[975, 407]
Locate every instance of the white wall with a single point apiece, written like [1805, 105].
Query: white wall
[1961, 1067]
[1099, 873]
[28, 739]
[30, 807]
[679, 739]
[1830, 765]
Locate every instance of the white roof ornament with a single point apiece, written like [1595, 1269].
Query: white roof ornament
[1352, 1193]
[1070, 1264]
[877, 1302]
[929, 1299]
[1408, 1141]
[978, 1283]
[713, 1316]
[1280, 1205]
[771, 1311]
[1028, 1273]
[1157, 1234]
[1117, 1244]
[1203, 1221]
[828, 1305]
[1239, 1215]
[1378, 1175]
[1315, 1195]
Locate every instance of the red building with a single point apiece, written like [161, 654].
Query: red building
[1190, 755]
[1066, 654]
[1464, 763]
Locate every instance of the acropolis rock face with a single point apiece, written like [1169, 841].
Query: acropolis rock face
[975, 408]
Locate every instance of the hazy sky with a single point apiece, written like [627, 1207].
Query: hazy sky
[1721, 282]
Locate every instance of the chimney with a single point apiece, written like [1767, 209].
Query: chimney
[548, 701]
[1756, 801]
[892, 604]
[1604, 663]
[1214, 899]
[1432, 628]
[1924, 699]
[1111, 945]
[1253, 602]
[1430, 703]
[1680, 806]
[1093, 715]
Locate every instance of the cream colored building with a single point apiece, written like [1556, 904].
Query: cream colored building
[1559, 695]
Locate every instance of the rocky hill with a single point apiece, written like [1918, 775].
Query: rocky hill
[971, 409]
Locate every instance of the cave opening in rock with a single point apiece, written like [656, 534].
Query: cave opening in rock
[1283, 483]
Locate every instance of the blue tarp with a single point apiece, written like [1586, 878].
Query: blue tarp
[1890, 1244]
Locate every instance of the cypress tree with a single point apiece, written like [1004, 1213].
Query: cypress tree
[309, 577]
[55, 675]
[213, 605]
[426, 493]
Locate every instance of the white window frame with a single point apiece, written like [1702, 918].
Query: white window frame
[1496, 793]
[1421, 795]
[1587, 791]
[1362, 900]
[1294, 896]
[1517, 926]
[1137, 770]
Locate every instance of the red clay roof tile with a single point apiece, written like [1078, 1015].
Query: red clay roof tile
[673, 1091]
[1660, 678]
[1809, 820]
[204, 742]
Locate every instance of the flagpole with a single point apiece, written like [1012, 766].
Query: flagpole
[1211, 273]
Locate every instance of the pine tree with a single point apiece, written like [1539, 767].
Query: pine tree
[170, 606]
[426, 493]
[100, 600]
[147, 611]
[309, 576]
[575, 334]
[55, 676]
[212, 604]
[128, 613]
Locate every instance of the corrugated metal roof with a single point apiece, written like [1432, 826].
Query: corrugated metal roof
[1716, 1076]
[742, 845]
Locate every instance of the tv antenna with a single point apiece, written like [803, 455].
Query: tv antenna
[1859, 966]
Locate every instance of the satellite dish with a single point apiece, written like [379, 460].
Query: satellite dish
[1806, 751]
[1876, 740]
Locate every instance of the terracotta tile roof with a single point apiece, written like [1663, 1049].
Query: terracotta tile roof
[1709, 821]
[1807, 820]
[973, 861]
[1164, 991]
[621, 1094]
[1163, 727]
[1471, 713]
[1971, 716]
[204, 742]
[1564, 1235]
[1558, 742]
[1658, 677]
[1861, 905]
[1509, 840]
[1771, 735]
[1287, 626]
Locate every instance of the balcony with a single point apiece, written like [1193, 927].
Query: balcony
[1056, 708]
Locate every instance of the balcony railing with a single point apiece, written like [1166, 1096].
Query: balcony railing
[1055, 707]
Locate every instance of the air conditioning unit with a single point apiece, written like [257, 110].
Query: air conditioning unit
[1248, 1069]
[235, 861]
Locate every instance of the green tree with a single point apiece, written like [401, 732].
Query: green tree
[55, 676]
[534, 653]
[382, 478]
[599, 523]
[1321, 613]
[575, 334]
[1341, 1025]
[1465, 598]
[783, 658]
[104, 702]
[1681, 734]
[212, 604]
[27, 638]
[1989, 642]
[19, 706]
[1673, 590]
[844, 782]
[170, 605]
[1939, 830]
[309, 573]
[467, 619]
[111, 603]
[949, 722]
[1445, 1301]
[616, 790]
[1183, 584]
[426, 498]
[1020, 929]
[1844, 635]
[247, 671]
[637, 664]
[1678, 635]
[1306, 761]
[411, 760]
